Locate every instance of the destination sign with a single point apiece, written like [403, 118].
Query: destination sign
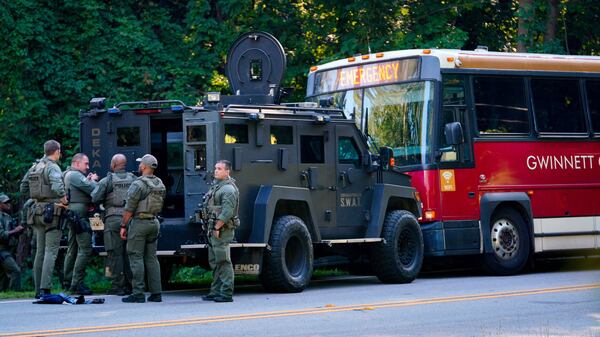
[366, 75]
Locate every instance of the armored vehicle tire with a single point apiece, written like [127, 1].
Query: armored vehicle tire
[287, 266]
[399, 258]
[510, 243]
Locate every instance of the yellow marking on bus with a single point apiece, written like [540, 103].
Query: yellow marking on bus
[298, 312]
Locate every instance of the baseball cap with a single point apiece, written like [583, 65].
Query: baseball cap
[148, 160]
[4, 198]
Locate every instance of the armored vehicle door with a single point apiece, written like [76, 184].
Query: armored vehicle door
[103, 134]
[200, 148]
[353, 194]
[317, 173]
[130, 135]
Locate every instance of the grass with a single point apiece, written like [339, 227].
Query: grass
[182, 277]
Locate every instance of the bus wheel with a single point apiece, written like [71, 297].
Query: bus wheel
[287, 266]
[399, 258]
[510, 243]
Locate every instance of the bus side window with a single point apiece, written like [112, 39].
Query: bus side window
[593, 96]
[500, 106]
[557, 106]
[454, 110]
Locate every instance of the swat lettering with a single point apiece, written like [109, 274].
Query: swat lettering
[350, 200]
[572, 162]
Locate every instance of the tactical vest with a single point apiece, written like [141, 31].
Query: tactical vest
[152, 202]
[214, 211]
[75, 195]
[115, 198]
[39, 184]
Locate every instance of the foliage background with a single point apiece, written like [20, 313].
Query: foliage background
[57, 54]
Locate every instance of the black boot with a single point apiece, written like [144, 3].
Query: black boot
[41, 293]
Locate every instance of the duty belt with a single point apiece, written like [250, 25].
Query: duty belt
[145, 216]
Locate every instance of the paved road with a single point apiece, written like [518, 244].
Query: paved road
[553, 302]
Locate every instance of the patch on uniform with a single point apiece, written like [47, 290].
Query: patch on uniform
[96, 222]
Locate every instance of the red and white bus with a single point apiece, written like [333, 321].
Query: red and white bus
[503, 148]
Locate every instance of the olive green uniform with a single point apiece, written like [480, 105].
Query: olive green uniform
[221, 203]
[43, 183]
[145, 199]
[79, 250]
[109, 192]
[8, 265]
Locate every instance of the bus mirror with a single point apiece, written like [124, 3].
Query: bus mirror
[386, 157]
[454, 133]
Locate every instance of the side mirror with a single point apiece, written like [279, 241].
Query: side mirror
[454, 133]
[386, 156]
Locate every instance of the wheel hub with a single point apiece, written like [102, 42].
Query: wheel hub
[505, 239]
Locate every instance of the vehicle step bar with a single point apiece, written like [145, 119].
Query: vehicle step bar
[158, 253]
[233, 245]
[343, 241]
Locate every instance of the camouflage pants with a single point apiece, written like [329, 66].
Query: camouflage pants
[219, 257]
[142, 236]
[10, 269]
[47, 244]
[117, 263]
[78, 256]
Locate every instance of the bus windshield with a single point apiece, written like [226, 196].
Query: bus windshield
[394, 115]
[400, 116]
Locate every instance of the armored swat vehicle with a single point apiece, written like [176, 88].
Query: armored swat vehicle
[309, 186]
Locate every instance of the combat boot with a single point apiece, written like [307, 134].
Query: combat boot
[222, 299]
[80, 289]
[134, 299]
[41, 293]
[155, 298]
[208, 297]
[118, 292]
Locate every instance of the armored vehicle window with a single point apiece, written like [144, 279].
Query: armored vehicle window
[348, 151]
[236, 134]
[282, 135]
[196, 133]
[557, 106]
[200, 157]
[129, 136]
[312, 150]
[174, 150]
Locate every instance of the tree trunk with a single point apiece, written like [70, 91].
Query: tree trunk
[551, 21]
[523, 29]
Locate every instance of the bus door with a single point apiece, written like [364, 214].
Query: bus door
[457, 176]
[352, 197]
[199, 146]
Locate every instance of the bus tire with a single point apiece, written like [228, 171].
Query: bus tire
[288, 265]
[510, 243]
[399, 258]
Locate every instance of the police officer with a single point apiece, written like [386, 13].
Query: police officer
[43, 183]
[220, 208]
[144, 201]
[8, 265]
[79, 188]
[112, 192]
